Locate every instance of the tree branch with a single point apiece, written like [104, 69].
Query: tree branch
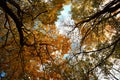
[108, 9]
[101, 62]
[18, 22]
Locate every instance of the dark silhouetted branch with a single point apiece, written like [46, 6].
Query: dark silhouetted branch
[113, 6]
[18, 22]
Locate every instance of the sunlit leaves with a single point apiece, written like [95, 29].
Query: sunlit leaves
[84, 8]
[91, 37]
[42, 43]
[43, 55]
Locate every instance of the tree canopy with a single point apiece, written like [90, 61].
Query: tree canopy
[31, 47]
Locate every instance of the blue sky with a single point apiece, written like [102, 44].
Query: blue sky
[64, 18]
[65, 13]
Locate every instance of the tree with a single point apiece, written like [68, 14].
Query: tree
[99, 27]
[29, 38]
[31, 47]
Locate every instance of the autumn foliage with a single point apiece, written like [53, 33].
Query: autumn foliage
[31, 47]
